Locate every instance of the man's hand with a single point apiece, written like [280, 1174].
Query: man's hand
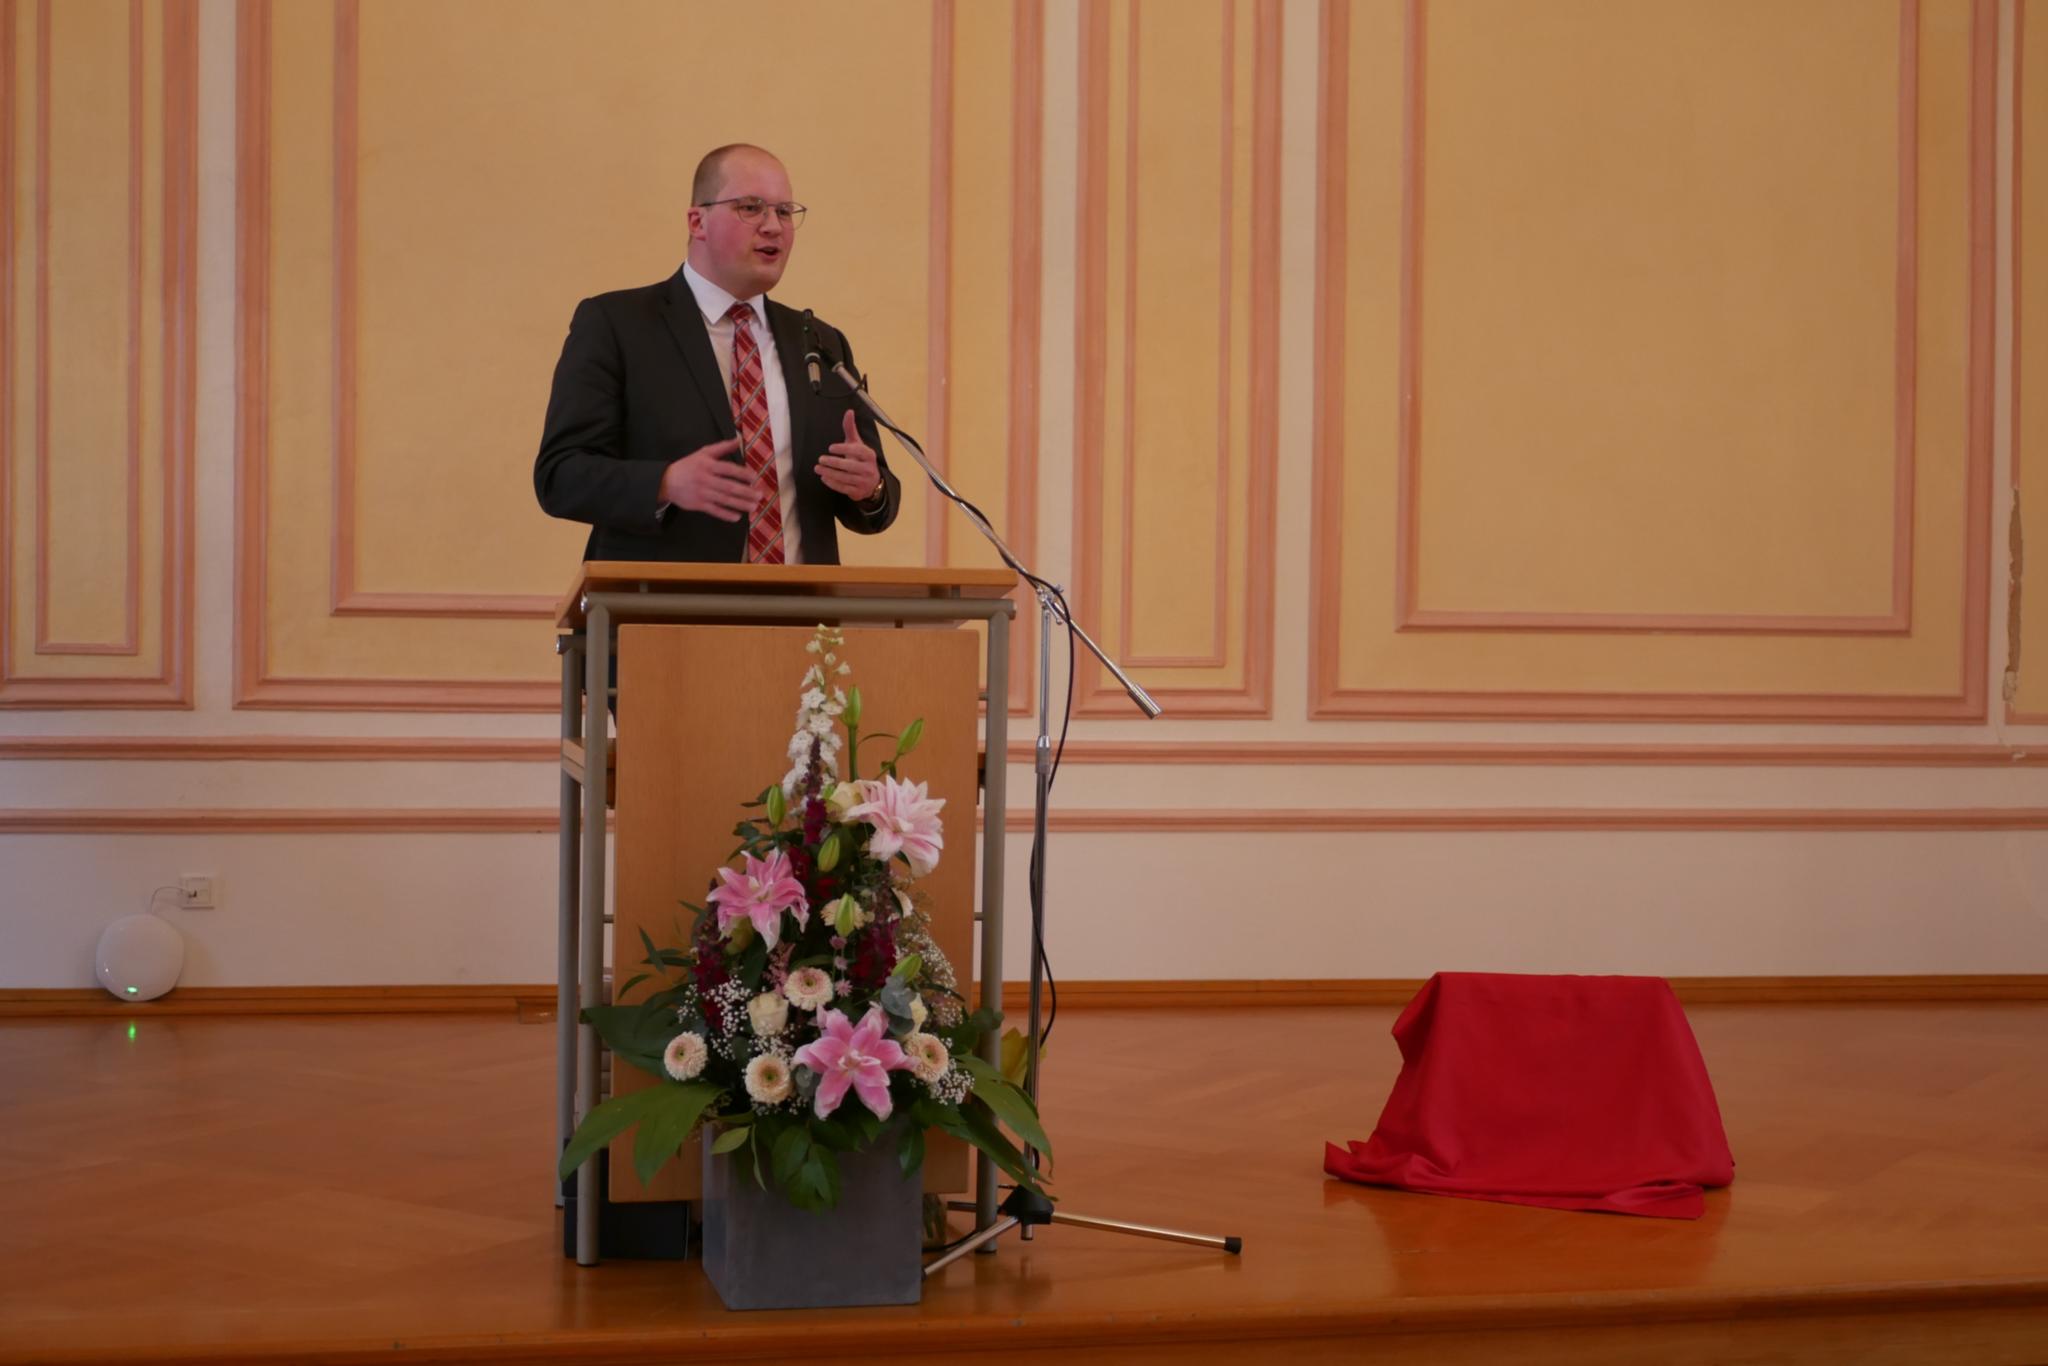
[850, 468]
[705, 481]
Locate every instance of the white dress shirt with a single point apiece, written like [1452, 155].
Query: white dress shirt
[714, 303]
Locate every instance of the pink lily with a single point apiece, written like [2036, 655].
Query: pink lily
[905, 817]
[858, 1056]
[761, 893]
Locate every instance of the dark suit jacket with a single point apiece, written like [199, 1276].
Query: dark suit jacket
[638, 387]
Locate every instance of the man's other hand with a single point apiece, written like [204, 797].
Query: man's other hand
[705, 481]
[850, 467]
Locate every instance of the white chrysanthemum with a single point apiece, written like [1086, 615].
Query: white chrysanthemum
[808, 988]
[684, 1057]
[768, 1079]
[768, 1013]
[928, 1056]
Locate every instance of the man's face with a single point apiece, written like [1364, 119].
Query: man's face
[744, 258]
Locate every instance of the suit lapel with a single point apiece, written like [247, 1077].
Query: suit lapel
[686, 324]
[785, 325]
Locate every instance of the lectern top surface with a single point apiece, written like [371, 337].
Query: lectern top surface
[818, 580]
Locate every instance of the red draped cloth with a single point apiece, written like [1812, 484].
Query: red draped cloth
[1569, 1092]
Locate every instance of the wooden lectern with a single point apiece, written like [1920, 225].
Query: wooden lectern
[709, 659]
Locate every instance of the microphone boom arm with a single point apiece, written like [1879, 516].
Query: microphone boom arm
[1053, 604]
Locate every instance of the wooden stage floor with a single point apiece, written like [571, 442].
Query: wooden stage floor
[332, 1189]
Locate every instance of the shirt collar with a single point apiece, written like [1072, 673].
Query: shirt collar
[714, 302]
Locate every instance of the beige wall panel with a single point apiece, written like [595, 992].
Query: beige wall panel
[95, 455]
[500, 172]
[1659, 661]
[17, 317]
[1175, 471]
[1717, 272]
[2029, 334]
[88, 459]
[984, 404]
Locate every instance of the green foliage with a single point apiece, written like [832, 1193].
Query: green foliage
[662, 1110]
[910, 1151]
[1009, 1103]
[1016, 1055]
[637, 1033]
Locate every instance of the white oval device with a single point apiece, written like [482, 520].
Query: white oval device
[139, 957]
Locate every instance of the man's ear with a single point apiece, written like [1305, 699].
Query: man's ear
[696, 223]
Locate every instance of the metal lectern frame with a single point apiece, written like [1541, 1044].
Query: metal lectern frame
[580, 886]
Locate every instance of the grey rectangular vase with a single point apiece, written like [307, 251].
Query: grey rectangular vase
[761, 1252]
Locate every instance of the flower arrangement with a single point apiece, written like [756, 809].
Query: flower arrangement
[812, 1013]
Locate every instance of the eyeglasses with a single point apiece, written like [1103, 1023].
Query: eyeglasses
[750, 210]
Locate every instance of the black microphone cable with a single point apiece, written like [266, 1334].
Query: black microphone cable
[1037, 864]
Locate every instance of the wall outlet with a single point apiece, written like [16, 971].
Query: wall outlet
[196, 892]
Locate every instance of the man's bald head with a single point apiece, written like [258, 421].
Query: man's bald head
[709, 182]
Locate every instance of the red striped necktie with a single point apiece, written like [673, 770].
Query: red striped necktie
[757, 442]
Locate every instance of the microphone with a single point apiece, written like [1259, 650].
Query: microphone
[812, 361]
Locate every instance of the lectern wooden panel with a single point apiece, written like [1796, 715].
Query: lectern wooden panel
[715, 717]
[704, 721]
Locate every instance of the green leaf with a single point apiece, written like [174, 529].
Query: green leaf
[818, 1180]
[1011, 1105]
[790, 1152]
[983, 1133]
[907, 967]
[974, 1124]
[601, 1126]
[907, 741]
[752, 964]
[735, 1137]
[668, 1122]
[636, 1032]
[910, 1152]
[1016, 1056]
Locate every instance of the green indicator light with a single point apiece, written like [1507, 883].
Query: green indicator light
[133, 990]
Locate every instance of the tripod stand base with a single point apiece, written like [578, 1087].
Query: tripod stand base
[1025, 1210]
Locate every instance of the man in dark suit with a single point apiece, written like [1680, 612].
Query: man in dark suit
[681, 425]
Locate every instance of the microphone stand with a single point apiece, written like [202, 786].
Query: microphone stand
[1023, 1210]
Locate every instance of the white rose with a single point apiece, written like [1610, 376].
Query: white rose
[768, 1013]
[842, 797]
[918, 1012]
